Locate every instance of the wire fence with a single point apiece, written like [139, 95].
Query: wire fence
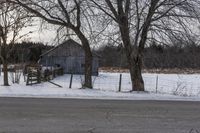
[184, 85]
[176, 84]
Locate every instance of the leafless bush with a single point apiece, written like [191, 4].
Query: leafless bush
[193, 131]
[15, 76]
[180, 88]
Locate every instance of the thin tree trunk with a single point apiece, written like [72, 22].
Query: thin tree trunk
[5, 71]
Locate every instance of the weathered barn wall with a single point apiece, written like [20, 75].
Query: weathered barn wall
[69, 56]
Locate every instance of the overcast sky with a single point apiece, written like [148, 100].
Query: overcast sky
[38, 35]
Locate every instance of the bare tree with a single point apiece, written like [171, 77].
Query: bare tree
[140, 21]
[67, 15]
[12, 21]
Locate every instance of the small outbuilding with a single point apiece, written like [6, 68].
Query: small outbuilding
[70, 56]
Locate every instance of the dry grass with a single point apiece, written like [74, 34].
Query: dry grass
[165, 71]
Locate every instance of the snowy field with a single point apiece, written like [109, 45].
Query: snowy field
[158, 87]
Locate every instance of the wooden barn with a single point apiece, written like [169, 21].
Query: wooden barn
[70, 56]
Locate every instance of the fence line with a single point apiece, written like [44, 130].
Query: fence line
[155, 84]
[186, 85]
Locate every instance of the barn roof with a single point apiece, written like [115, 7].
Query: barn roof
[69, 41]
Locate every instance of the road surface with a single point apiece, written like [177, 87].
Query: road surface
[25, 115]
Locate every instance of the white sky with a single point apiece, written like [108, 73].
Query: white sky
[44, 36]
[38, 35]
[47, 36]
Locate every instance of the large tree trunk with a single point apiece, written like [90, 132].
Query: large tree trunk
[135, 68]
[5, 71]
[133, 56]
[88, 59]
[88, 71]
[136, 74]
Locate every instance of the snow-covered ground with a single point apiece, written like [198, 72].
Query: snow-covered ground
[158, 86]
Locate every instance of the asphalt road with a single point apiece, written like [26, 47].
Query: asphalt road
[23, 115]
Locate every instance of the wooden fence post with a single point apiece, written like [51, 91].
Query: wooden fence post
[70, 85]
[120, 82]
[157, 84]
[0, 69]
[31, 77]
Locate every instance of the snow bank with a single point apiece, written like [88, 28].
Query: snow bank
[168, 87]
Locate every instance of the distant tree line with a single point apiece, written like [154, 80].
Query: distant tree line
[27, 52]
[155, 56]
